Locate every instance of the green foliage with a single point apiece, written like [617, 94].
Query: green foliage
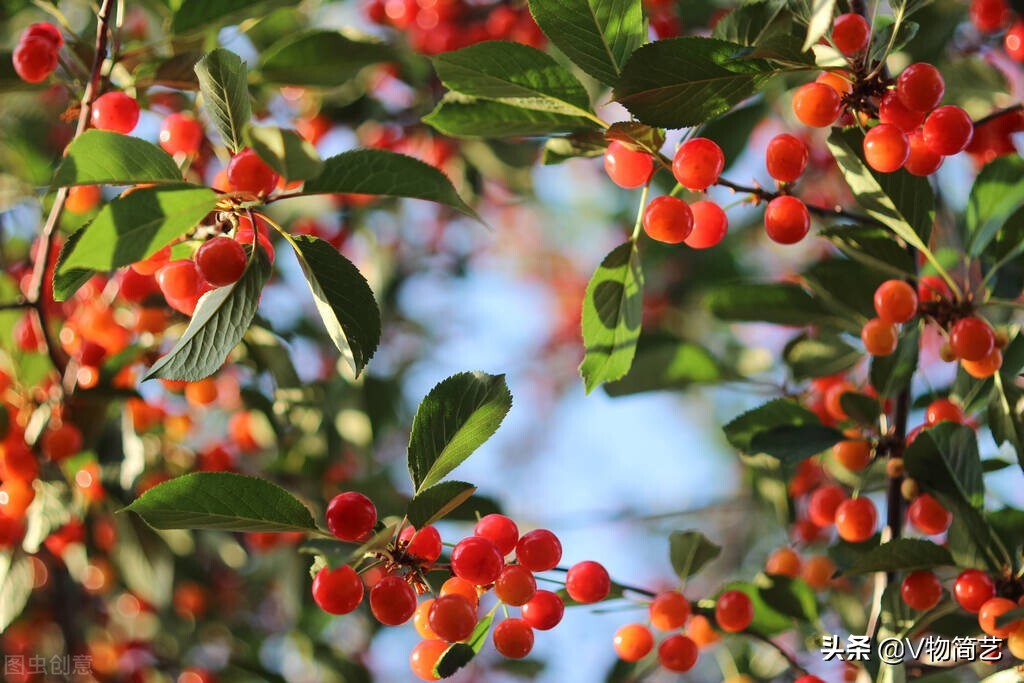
[901, 554]
[690, 551]
[223, 81]
[782, 429]
[435, 502]
[284, 151]
[100, 157]
[320, 59]
[665, 362]
[460, 654]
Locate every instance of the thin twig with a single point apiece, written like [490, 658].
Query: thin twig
[998, 113]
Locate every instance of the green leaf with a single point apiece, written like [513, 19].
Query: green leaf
[612, 307]
[222, 500]
[381, 172]
[782, 304]
[666, 362]
[819, 357]
[194, 15]
[997, 192]
[767, 620]
[892, 374]
[559, 149]
[598, 35]
[901, 555]
[690, 551]
[223, 81]
[285, 151]
[321, 58]
[733, 129]
[749, 23]
[861, 408]
[791, 597]
[514, 74]
[637, 135]
[902, 202]
[466, 117]
[16, 582]
[130, 228]
[343, 298]
[217, 326]
[958, 446]
[783, 429]
[460, 654]
[431, 504]
[683, 82]
[455, 418]
[100, 157]
[872, 246]
[845, 286]
[819, 21]
[1006, 413]
[143, 561]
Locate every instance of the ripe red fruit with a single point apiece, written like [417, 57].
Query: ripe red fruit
[851, 33]
[34, 59]
[181, 134]
[668, 219]
[513, 638]
[886, 148]
[709, 225]
[248, 173]
[477, 560]
[986, 367]
[425, 544]
[116, 112]
[626, 167]
[515, 585]
[221, 261]
[932, 288]
[856, 519]
[921, 590]
[973, 588]
[351, 515]
[677, 653]
[698, 163]
[539, 550]
[500, 529]
[942, 410]
[817, 105]
[452, 618]
[150, 265]
[588, 582]
[46, 31]
[928, 515]
[922, 160]
[457, 586]
[809, 678]
[853, 454]
[783, 562]
[424, 658]
[786, 157]
[392, 601]
[920, 87]
[543, 611]
[895, 301]
[880, 337]
[669, 610]
[990, 16]
[83, 198]
[972, 339]
[1013, 41]
[633, 642]
[337, 591]
[948, 130]
[892, 110]
[786, 220]
[734, 611]
[823, 503]
[178, 279]
[993, 609]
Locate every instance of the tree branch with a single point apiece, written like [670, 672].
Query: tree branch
[998, 113]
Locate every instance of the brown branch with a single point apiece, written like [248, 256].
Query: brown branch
[998, 113]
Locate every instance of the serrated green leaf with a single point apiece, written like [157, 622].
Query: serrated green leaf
[845, 286]
[791, 597]
[861, 408]
[612, 308]
[453, 420]
[998, 191]
[875, 247]
[782, 304]
[460, 654]
[750, 22]
[144, 561]
[223, 81]
[321, 58]
[100, 157]
[435, 502]
[218, 324]
[598, 35]
[690, 551]
[819, 357]
[192, 15]
[732, 130]
[666, 362]
[222, 500]
[285, 151]
[901, 554]
[819, 21]
[466, 117]
[792, 443]
[891, 374]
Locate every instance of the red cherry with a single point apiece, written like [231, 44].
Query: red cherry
[892, 110]
[452, 618]
[932, 288]
[668, 219]
[734, 611]
[633, 642]
[425, 544]
[588, 582]
[351, 516]
[337, 591]
[921, 590]
[477, 560]
[34, 59]
[513, 638]
[221, 261]
[83, 198]
[58, 443]
[709, 225]
[921, 161]
[817, 105]
[181, 134]
[178, 279]
[823, 503]
[809, 678]
[150, 265]
[972, 339]
[515, 585]
[990, 16]
[895, 301]
[116, 112]
[853, 454]
[424, 658]
[500, 529]
[856, 519]
[786, 157]
[928, 515]
[786, 220]
[973, 588]
[986, 367]
[698, 163]
[46, 31]
[677, 653]
[539, 550]
[948, 130]
[247, 172]
[880, 338]
[886, 148]
[851, 33]
[669, 610]
[392, 601]
[1013, 42]
[543, 611]
[626, 167]
[920, 87]
[993, 609]
[943, 410]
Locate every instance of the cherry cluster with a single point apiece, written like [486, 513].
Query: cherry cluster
[38, 52]
[970, 338]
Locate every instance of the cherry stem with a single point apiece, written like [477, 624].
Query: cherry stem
[998, 113]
